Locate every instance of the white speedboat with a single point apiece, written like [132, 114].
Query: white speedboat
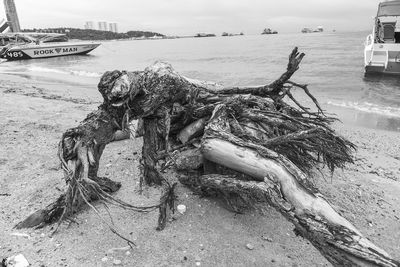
[382, 47]
[17, 46]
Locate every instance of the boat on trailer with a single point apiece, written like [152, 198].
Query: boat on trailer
[382, 47]
[17, 46]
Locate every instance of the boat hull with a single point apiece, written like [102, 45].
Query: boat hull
[48, 50]
[382, 58]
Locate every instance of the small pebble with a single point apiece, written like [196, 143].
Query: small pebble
[250, 246]
[127, 253]
[117, 262]
[181, 208]
[198, 263]
[17, 261]
[266, 238]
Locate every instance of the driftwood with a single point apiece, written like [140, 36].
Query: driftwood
[244, 144]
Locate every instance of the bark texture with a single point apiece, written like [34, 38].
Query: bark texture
[245, 144]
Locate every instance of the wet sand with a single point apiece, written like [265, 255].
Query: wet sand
[32, 120]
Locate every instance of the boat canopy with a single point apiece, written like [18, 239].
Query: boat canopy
[390, 8]
[7, 38]
[46, 37]
[30, 37]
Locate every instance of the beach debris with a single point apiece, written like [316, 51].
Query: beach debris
[18, 260]
[117, 262]
[266, 238]
[104, 259]
[21, 235]
[197, 260]
[181, 208]
[112, 250]
[249, 246]
[256, 150]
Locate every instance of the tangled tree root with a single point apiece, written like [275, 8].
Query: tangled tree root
[245, 144]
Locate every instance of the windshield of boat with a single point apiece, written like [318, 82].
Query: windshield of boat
[391, 8]
[6, 39]
[50, 38]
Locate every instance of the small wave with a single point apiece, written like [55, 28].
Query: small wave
[84, 73]
[41, 69]
[81, 73]
[368, 107]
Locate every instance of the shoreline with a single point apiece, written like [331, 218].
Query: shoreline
[58, 89]
[33, 120]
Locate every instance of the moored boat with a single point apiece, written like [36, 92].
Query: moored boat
[382, 47]
[19, 46]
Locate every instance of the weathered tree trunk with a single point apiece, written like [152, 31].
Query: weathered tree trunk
[283, 186]
[337, 240]
[266, 147]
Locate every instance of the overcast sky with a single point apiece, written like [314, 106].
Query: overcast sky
[187, 17]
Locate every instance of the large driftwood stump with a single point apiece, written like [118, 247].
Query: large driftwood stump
[245, 144]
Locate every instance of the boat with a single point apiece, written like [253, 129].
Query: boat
[17, 46]
[382, 47]
[306, 30]
[269, 31]
[199, 35]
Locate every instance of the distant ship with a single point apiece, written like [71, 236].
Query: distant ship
[269, 31]
[309, 30]
[231, 34]
[306, 30]
[205, 35]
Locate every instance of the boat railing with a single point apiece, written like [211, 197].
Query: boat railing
[369, 40]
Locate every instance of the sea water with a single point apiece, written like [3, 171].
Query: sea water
[332, 67]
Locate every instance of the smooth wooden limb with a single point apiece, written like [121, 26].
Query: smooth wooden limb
[314, 218]
[192, 130]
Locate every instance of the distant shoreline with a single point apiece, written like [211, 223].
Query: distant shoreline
[96, 35]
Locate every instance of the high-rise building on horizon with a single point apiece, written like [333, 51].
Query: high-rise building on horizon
[89, 25]
[113, 27]
[103, 26]
[12, 16]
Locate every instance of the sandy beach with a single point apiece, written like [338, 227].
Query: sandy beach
[32, 120]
